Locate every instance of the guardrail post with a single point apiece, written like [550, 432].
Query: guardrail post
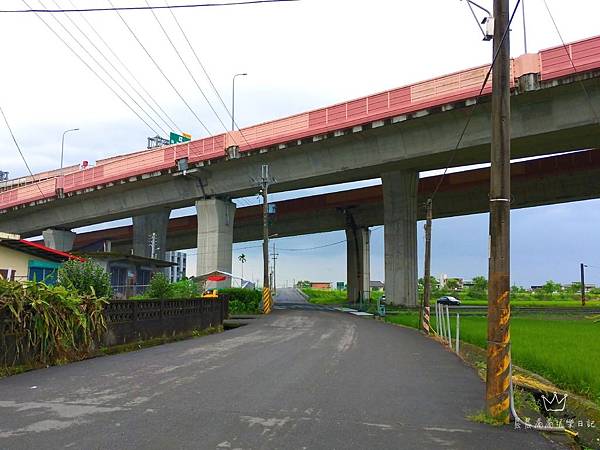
[457, 333]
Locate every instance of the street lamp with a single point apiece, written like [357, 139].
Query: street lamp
[62, 147]
[233, 98]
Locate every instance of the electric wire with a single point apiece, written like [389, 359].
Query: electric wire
[587, 94]
[159, 68]
[12, 135]
[169, 121]
[206, 74]
[140, 8]
[471, 113]
[90, 55]
[311, 248]
[113, 67]
[174, 47]
[78, 56]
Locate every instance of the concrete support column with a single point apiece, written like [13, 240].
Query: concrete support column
[358, 263]
[59, 239]
[215, 237]
[145, 227]
[400, 235]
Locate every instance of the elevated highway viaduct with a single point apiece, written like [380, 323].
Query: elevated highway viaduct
[393, 135]
[556, 179]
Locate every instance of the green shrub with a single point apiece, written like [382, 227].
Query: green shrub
[243, 301]
[85, 277]
[52, 323]
[185, 289]
[160, 287]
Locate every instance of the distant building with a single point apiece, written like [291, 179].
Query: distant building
[377, 286]
[324, 285]
[22, 260]
[177, 271]
[129, 274]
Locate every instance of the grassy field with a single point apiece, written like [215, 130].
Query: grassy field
[326, 297]
[565, 351]
[593, 304]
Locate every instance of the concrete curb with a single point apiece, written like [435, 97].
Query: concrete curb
[299, 291]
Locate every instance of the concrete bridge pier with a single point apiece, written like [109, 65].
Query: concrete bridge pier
[215, 237]
[400, 236]
[358, 266]
[61, 240]
[149, 227]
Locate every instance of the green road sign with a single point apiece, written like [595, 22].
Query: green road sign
[175, 138]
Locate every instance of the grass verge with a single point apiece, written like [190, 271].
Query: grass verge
[326, 297]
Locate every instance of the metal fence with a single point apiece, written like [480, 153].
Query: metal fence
[121, 292]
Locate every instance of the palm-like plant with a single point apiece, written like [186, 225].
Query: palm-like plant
[242, 259]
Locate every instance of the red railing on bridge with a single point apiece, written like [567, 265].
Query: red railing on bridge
[549, 64]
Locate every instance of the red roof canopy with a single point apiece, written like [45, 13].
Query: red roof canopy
[39, 250]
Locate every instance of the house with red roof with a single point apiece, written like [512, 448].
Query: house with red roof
[24, 260]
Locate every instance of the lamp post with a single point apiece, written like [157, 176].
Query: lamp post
[62, 147]
[233, 98]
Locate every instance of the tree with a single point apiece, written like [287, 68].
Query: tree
[517, 289]
[242, 259]
[551, 287]
[480, 283]
[453, 284]
[85, 277]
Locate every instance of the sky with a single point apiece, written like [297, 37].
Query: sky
[298, 56]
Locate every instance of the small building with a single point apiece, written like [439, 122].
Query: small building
[323, 285]
[129, 274]
[22, 260]
[377, 286]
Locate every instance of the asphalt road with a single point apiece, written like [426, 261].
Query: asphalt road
[292, 380]
[289, 295]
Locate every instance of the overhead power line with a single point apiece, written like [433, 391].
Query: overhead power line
[12, 135]
[186, 66]
[92, 69]
[587, 94]
[208, 77]
[110, 63]
[159, 68]
[168, 121]
[139, 8]
[472, 112]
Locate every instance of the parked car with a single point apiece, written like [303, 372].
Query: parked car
[448, 300]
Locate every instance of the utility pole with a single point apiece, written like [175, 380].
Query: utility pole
[274, 256]
[498, 348]
[153, 246]
[427, 271]
[264, 185]
[582, 267]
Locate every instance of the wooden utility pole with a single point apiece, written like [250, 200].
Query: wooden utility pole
[498, 347]
[427, 271]
[582, 269]
[264, 184]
